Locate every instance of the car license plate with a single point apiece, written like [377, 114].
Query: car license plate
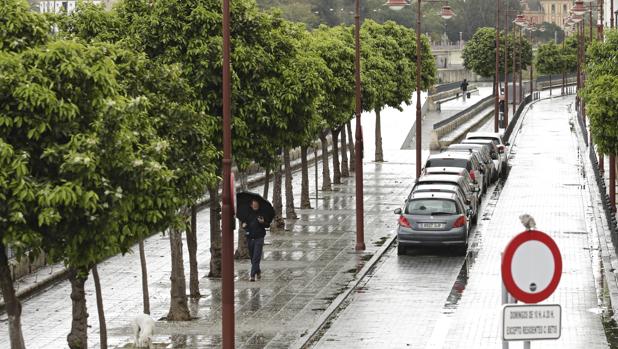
[431, 225]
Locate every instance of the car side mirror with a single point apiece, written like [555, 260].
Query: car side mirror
[470, 212]
[507, 144]
[397, 211]
[501, 150]
[476, 190]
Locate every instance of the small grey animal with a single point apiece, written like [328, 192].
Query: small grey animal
[528, 221]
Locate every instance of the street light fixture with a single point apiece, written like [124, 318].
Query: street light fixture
[579, 9]
[520, 21]
[445, 13]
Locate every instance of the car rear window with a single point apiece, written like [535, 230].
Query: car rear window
[431, 206]
[448, 162]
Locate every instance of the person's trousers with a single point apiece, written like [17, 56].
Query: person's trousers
[255, 252]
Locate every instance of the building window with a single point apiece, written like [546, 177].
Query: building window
[553, 9]
[564, 8]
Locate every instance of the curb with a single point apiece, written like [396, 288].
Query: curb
[312, 333]
[599, 223]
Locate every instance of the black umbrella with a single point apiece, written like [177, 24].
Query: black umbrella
[243, 206]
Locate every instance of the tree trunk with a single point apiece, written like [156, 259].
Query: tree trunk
[550, 84]
[278, 223]
[336, 165]
[379, 152]
[215, 232]
[344, 154]
[290, 213]
[326, 185]
[13, 305]
[304, 191]
[78, 337]
[145, 293]
[179, 309]
[194, 282]
[351, 146]
[100, 309]
[242, 250]
[266, 183]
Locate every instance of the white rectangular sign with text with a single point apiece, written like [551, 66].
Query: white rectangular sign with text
[531, 322]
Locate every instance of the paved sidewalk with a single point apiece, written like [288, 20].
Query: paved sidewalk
[409, 301]
[304, 267]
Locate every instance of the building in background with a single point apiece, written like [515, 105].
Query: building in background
[68, 6]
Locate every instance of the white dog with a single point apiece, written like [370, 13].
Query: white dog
[143, 329]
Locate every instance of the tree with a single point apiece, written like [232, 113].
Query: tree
[393, 47]
[335, 48]
[549, 59]
[90, 165]
[601, 92]
[479, 54]
[22, 30]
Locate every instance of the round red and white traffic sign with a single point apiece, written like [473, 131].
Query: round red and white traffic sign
[531, 266]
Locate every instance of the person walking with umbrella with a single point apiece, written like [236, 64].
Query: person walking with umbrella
[255, 215]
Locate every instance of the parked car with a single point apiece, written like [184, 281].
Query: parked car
[442, 188]
[462, 160]
[465, 186]
[493, 152]
[433, 219]
[496, 138]
[458, 171]
[482, 154]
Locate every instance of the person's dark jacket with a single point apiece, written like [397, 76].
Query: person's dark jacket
[464, 86]
[255, 229]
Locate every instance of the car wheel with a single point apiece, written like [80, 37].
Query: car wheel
[475, 219]
[401, 250]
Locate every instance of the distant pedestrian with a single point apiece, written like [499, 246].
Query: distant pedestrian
[255, 226]
[464, 88]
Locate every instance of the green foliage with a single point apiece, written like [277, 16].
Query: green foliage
[92, 152]
[479, 54]
[601, 92]
[21, 28]
[601, 97]
[549, 59]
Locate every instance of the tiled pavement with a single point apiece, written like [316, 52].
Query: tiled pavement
[305, 267]
[409, 302]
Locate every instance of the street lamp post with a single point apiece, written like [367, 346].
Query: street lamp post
[521, 23]
[446, 13]
[227, 240]
[358, 156]
[506, 65]
[497, 69]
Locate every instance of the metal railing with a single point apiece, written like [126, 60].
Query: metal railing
[461, 113]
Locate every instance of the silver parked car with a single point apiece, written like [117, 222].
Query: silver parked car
[482, 154]
[443, 188]
[463, 160]
[493, 152]
[496, 138]
[463, 184]
[433, 219]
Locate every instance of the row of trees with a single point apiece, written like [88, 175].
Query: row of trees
[110, 127]
[479, 53]
[553, 59]
[600, 93]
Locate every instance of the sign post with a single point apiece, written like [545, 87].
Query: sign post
[531, 271]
